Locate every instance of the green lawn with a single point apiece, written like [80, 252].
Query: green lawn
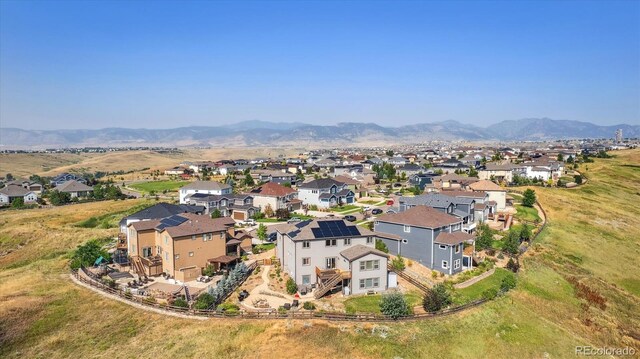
[345, 208]
[527, 213]
[371, 303]
[474, 292]
[158, 186]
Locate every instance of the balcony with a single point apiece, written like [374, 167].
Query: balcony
[122, 241]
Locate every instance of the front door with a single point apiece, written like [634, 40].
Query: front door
[331, 262]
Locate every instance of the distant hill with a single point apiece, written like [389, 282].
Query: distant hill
[250, 133]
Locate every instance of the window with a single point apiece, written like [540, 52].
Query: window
[330, 242]
[166, 255]
[405, 241]
[407, 229]
[166, 239]
[306, 279]
[347, 241]
[442, 246]
[306, 261]
[221, 235]
[457, 248]
[190, 254]
[207, 237]
[146, 252]
[369, 265]
[159, 250]
[456, 264]
[330, 262]
[306, 244]
[369, 240]
[193, 237]
[445, 264]
[369, 283]
[177, 256]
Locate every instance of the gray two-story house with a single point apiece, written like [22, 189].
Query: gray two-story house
[237, 206]
[461, 207]
[428, 236]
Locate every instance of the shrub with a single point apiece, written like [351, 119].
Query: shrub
[150, 300]
[508, 282]
[127, 293]
[394, 305]
[209, 271]
[398, 263]
[292, 288]
[181, 303]
[309, 306]
[513, 266]
[204, 301]
[436, 298]
[490, 293]
[484, 237]
[434, 274]
[85, 255]
[381, 246]
[228, 308]
[577, 179]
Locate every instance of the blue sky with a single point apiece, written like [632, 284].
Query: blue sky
[167, 64]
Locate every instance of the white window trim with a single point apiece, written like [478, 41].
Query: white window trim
[445, 264]
[306, 244]
[456, 264]
[406, 228]
[442, 246]
[308, 260]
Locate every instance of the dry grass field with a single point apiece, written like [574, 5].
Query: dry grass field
[592, 242]
[26, 164]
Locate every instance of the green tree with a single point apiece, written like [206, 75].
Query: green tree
[58, 198]
[292, 288]
[394, 305]
[204, 301]
[261, 232]
[180, 302]
[436, 298]
[511, 242]
[577, 179]
[268, 210]
[570, 159]
[17, 203]
[529, 197]
[381, 246]
[473, 172]
[508, 282]
[86, 254]
[287, 184]
[398, 263]
[484, 237]
[525, 233]
[9, 177]
[216, 213]
[248, 180]
[389, 153]
[560, 157]
[282, 213]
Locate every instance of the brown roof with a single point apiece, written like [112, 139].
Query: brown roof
[198, 224]
[347, 180]
[458, 178]
[223, 259]
[272, 189]
[485, 185]
[144, 225]
[359, 250]
[453, 238]
[480, 206]
[14, 190]
[421, 216]
[73, 186]
[391, 236]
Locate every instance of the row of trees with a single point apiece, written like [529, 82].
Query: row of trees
[225, 286]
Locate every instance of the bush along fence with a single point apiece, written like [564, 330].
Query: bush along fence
[88, 278]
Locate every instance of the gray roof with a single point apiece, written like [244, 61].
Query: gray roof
[321, 183]
[359, 250]
[162, 210]
[14, 190]
[207, 186]
[435, 200]
[302, 231]
[73, 186]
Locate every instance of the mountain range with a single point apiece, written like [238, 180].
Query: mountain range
[263, 133]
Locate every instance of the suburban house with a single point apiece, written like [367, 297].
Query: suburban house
[206, 187]
[461, 207]
[325, 193]
[453, 181]
[428, 236]
[64, 177]
[276, 196]
[497, 172]
[495, 192]
[484, 207]
[544, 170]
[183, 245]
[177, 171]
[11, 192]
[274, 176]
[75, 189]
[451, 165]
[410, 169]
[237, 206]
[331, 253]
[422, 180]
[27, 184]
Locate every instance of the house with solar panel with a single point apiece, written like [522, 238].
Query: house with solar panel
[182, 245]
[461, 207]
[206, 187]
[428, 236]
[327, 255]
[237, 206]
[325, 193]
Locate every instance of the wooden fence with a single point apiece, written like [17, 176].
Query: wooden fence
[90, 279]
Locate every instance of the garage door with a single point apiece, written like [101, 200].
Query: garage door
[238, 216]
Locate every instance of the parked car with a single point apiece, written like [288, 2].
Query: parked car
[398, 193]
[366, 208]
[390, 202]
[330, 215]
[376, 211]
[250, 222]
[350, 218]
[272, 237]
[294, 220]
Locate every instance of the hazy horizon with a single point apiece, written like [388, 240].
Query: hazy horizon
[79, 65]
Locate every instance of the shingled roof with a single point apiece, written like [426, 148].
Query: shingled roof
[453, 238]
[485, 185]
[272, 189]
[420, 216]
[359, 250]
